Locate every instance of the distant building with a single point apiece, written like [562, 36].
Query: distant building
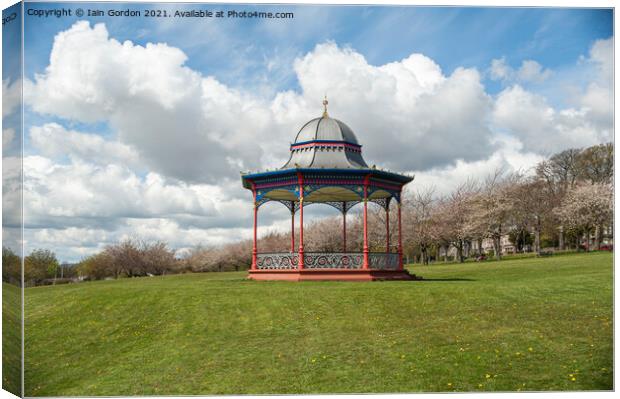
[470, 248]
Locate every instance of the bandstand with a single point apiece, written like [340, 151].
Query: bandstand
[326, 166]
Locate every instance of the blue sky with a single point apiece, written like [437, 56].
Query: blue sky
[453, 37]
[148, 140]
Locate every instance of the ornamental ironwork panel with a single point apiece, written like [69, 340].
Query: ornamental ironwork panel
[382, 261]
[270, 261]
[382, 202]
[326, 260]
[261, 201]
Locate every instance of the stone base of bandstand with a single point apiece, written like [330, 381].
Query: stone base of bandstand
[330, 275]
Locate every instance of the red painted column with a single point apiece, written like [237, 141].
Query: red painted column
[400, 237]
[366, 264]
[293, 229]
[301, 220]
[387, 228]
[254, 243]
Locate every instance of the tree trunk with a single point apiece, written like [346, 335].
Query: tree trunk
[561, 238]
[597, 238]
[498, 254]
[497, 245]
[445, 253]
[480, 246]
[537, 236]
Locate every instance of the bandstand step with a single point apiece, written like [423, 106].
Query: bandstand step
[330, 275]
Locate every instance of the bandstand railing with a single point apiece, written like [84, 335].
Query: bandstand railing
[383, 261]
[326, 260]
[276, 261]
[333, 260]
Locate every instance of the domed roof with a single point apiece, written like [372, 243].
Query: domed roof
[327, 129]
[326, 159]
[326, 143]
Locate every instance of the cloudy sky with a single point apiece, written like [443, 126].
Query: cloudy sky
[138, 127]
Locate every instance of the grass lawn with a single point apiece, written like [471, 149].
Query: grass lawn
[11, 339]
[529, 324]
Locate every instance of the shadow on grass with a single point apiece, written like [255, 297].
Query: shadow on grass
[446, 279]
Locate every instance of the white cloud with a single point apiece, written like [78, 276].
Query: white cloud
[74, 243]
[394, 108]
[11, 191]
[82, 190]
[539, 126]
[597, 100]
[601, 54]
[499, 70]
[183, 124]
[54, 141]
[529, 71]
[7, 137]
[545, 129]
[509, 157]
[11, 96]
[532, 71]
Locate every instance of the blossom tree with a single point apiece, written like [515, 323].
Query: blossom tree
[420, 221]
[452, 225]
[491, 208]
[587, 207]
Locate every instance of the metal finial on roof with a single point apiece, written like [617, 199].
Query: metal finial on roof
[325, 102]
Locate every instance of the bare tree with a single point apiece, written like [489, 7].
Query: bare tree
[157, 259]
[561, 171]
[532, 205]
[596, 163]
[97, 267]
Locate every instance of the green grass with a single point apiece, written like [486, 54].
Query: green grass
[529, 324]
[11, 338]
